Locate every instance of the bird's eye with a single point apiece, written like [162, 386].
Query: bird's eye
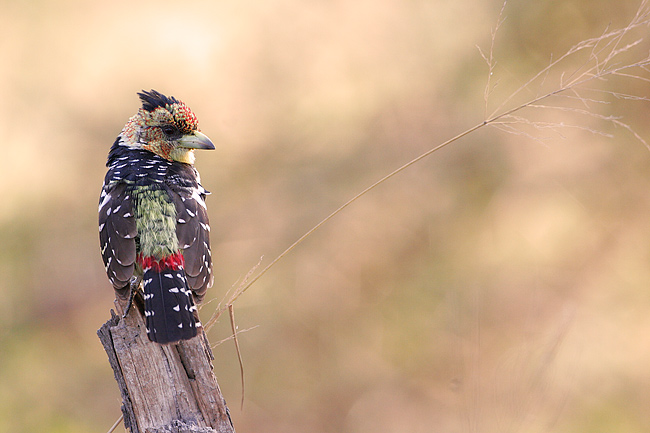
[169, 130]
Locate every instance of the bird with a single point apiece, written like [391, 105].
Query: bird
[154, 229]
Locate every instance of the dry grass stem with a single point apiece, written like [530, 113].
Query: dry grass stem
[231, 312]
[489, 58]
[598, 66]
[116, 424]
[232, 336]
[591, 64]
[231, 298]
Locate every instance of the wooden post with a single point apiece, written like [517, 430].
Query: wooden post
[165, 388]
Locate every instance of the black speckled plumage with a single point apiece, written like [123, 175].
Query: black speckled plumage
[170, 295]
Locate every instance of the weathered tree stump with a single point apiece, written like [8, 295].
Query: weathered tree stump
[165, 388]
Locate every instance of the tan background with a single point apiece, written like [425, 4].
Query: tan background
[500, 285]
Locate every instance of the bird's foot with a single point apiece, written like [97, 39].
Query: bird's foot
[134, 284]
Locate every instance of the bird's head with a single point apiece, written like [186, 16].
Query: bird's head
[165, 126]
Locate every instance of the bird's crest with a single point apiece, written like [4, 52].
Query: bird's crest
[153, 99]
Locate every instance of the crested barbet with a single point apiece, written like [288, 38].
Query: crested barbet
[153, 222]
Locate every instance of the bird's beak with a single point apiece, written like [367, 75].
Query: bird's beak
[196, 140]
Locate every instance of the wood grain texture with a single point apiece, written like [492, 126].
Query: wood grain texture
[165, 388]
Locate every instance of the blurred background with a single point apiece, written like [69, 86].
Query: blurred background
[500, 285]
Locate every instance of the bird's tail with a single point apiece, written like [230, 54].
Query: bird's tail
[168, 304]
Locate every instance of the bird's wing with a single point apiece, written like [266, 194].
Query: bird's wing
[193, 233]
[117, 232]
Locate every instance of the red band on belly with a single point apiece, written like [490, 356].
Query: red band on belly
[173, 262]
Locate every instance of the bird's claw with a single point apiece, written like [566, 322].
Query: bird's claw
[133, 287]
